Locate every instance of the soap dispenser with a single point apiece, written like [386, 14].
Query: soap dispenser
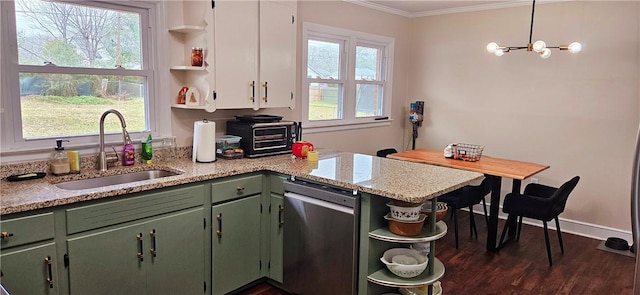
[59, 161]
[128, 152]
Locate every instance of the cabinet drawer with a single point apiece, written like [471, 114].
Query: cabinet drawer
[27, 229]
[142, 206]
[236, 187]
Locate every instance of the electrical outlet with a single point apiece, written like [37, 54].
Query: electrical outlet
[534, 180]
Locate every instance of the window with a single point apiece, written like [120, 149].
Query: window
[65, 63]
[348, 80]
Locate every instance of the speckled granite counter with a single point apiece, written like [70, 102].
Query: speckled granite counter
[394, 179]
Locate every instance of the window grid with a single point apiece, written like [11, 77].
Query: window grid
[13, 139]
[371, 93]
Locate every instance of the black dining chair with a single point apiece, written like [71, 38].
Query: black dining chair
[539, 202]
[384, 152]
[466, 197]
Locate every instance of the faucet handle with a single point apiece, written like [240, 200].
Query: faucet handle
[113, 159]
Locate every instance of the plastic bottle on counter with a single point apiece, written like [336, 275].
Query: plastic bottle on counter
[147, 149]
[128, 151]
[59, 162]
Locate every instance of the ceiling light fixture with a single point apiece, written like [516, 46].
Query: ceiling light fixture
[539, 46]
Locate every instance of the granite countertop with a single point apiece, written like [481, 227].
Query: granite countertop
[395, 179]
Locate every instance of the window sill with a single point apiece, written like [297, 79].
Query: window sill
[317, 128]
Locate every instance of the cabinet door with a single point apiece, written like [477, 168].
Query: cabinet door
[277, 53]
[27, 271]
[275, 238]
[108, 262]
[178, 264]
[236, 244]
[236, 54]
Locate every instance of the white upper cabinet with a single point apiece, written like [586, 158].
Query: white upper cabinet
[254, 54]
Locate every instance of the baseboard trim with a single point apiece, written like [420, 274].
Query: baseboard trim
[580, 228]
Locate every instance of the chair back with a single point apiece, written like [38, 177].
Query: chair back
[474, 194]
[485, 186]
[562, 194]
[383, 153]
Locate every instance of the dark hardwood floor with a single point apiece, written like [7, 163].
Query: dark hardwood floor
[521, 267]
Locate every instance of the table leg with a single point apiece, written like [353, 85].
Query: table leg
[513, 225]
[492, 234]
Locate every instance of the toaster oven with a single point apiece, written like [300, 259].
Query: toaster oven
[264, 139]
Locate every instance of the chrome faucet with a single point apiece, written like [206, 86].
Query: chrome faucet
[103, 159]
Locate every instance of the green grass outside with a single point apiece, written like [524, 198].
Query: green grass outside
[51, 116]
[320, 110]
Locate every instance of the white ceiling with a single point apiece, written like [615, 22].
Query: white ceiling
[418, 8]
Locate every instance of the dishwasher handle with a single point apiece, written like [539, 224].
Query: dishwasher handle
[321, 203]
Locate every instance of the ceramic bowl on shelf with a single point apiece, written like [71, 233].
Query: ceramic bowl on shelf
[404, 262]
[404, 211]
[437, 290]
[423, 248]
[404, 227]
[441, 210]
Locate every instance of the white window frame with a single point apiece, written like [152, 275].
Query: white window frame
[350, 39]
[14, 148]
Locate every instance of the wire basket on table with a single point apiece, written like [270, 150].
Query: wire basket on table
[467, 152]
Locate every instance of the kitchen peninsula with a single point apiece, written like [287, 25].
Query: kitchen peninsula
[70, 221]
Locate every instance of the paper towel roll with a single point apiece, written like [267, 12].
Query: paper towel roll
[204, 141]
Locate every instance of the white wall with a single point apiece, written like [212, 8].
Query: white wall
[576, 113]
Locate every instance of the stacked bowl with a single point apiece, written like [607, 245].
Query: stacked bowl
[404, 262]
[405, 218]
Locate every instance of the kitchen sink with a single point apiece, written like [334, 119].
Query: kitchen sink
[115, 179]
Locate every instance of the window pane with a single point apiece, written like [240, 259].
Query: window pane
[325, 101]
[323, 60]
[368, 100]
[55, 105]
[73, 35]
[368, 61]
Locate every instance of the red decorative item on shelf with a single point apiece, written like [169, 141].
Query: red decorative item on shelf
[182, 95]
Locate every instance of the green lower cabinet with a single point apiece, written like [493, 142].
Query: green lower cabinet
[276, 238]
[30, 270]
[236, 244]
[162, 255]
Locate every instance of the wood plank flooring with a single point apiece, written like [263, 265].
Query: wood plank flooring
[521, 267]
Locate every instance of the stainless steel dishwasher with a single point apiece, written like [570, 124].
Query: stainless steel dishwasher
[320, 239]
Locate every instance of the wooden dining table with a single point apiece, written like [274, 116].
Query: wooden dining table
[495, 168]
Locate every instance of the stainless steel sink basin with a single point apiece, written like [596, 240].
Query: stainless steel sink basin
[115, 179]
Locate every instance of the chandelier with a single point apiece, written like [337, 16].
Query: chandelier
[539, 46]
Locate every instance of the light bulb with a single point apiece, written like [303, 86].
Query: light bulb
[575, 47]
[499, 52]
[492, 47]
[539, 45]
[545, 53]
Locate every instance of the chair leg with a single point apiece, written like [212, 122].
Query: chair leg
[472, 223]
[546, 239]
[486, 216]
[455, 224]
[519, 228]
[559, 235]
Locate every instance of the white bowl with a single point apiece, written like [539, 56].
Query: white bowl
[405, 213]
[422, 248]
[404, 270]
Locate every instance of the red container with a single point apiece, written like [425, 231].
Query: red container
[301, 148]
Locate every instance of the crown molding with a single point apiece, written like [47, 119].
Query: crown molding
[507, 4]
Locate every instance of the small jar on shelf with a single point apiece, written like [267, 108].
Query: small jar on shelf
[197, 57]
